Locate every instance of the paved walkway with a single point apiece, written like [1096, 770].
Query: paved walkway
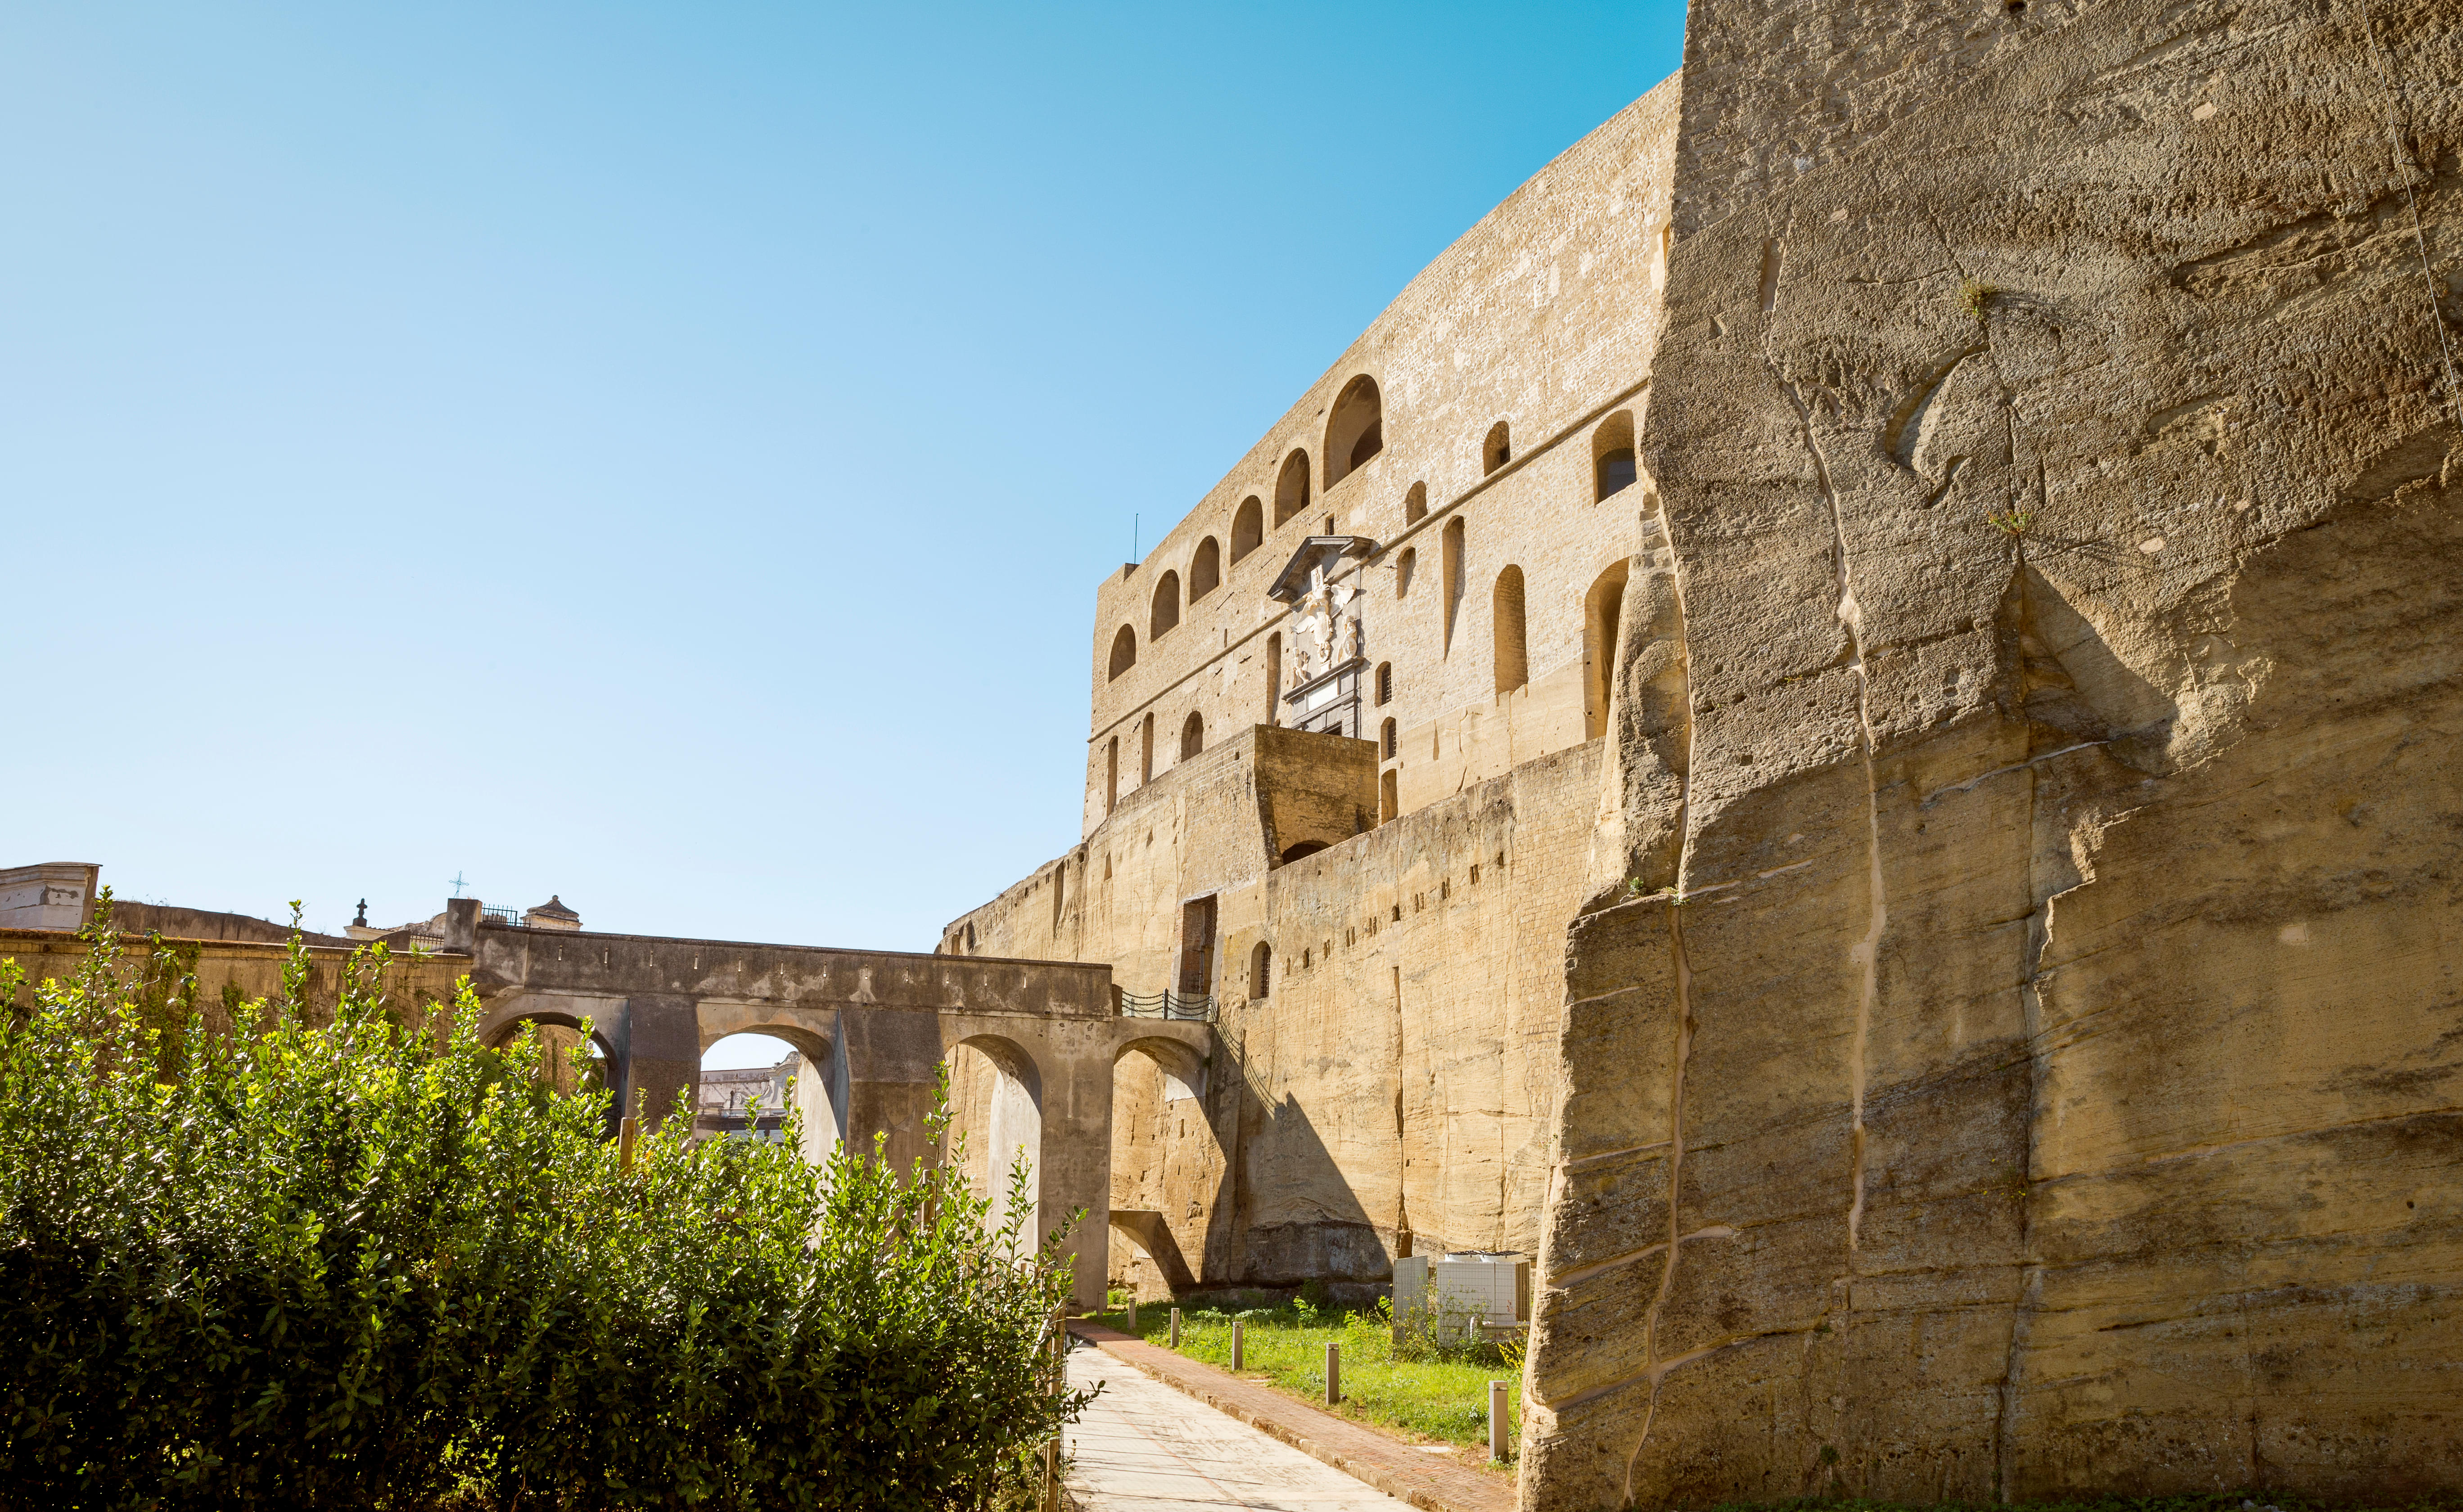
[1144, 1445]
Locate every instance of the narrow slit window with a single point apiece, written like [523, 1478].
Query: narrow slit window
[1512, 654]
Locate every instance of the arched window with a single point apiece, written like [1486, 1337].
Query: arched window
[1248, 527]
[1275, 678]
[1145, 750]
[1204, 570]
[1388, 805]
[1357, 432]
[1390, 743]
[1513, 657]
[1386, 684]
[1612, 464]
[1167, 607]
[1602, 608]
[1497, 450]
[1192, 736]
[1452, 563]
[1261, 970]
[1415, 504]
[1292, 488]
[1403, 568]
[1125, 652]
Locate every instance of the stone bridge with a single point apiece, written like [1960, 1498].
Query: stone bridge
[880, 1024]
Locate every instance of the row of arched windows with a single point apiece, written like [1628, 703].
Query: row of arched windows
[1192, 740]
[1355, 433]
[1510, 657]
[1612, 462]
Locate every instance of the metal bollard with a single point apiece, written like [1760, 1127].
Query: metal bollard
[1175, 1327]
[1496, 1421]
[1333, 1373]
[1239, 1338]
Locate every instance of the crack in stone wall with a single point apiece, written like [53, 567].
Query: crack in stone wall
[1866, 951]
[1657, 1369]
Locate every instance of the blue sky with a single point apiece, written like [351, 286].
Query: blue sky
[662, 456]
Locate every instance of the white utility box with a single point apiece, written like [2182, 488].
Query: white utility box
[1410, 1288]
[1494, 1287]
[1490, 1290]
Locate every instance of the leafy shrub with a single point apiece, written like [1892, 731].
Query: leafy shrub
[377, 1264]
[1434, 1332]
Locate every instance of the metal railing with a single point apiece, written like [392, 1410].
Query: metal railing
[1164, 1005]
[503, 915]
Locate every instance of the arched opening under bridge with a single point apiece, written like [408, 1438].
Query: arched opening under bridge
[753, 1077]
[1168, 1169]
[996, 1127]
[570, 1058]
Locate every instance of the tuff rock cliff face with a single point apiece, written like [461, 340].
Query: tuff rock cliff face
[2016, 1043]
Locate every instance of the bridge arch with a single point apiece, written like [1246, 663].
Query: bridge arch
[560, 1029]
[817, 1087]
[996, 1105]
[1167, 1166]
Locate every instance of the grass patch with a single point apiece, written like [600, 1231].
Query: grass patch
[1445, 1400]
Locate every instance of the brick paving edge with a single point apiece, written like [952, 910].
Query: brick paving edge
[1393, 1483]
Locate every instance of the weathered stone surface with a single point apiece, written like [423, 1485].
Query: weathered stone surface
[1993, 760]
[2063, 478]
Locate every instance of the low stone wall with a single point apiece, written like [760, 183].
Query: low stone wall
[231, 972]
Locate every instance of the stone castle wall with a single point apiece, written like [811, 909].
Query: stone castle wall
[1542, 316]
[2041, 1074]
[1991, 763]
[1399, 1073]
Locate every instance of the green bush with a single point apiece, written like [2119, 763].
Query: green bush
[376, 1264]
